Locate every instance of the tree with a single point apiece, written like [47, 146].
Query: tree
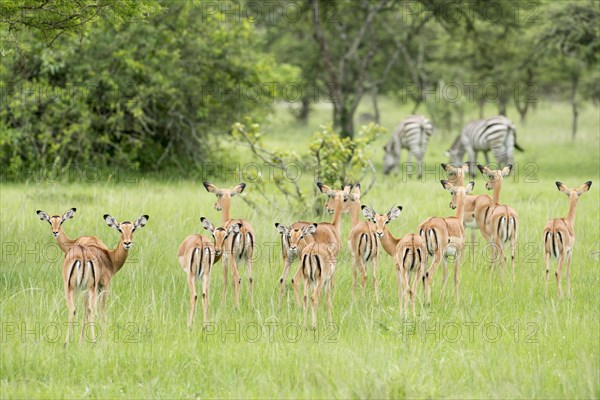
[573, 36]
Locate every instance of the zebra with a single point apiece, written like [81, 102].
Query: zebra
[413, 134]
[497, 134]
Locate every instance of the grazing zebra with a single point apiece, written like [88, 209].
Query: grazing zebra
[413, 134]
[497, 134]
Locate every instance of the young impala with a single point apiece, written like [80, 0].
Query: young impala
[409, 253]
[92, 268]
[326, 233]
[445, 237]
[237, 246]
[63, 241]
[317, 264]
[234, 241]
[197, 256]
[499, 223]
[559, 237]
[474, 204]
[362, 243]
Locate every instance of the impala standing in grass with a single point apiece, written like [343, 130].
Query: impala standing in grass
[559, 237]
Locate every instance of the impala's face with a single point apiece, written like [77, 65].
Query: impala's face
[335, 197]
[220, 234]
[126, 228]
[457, 191]
[456, 175]
[381, 220]
[494, 177]
[351, 198]
[223, 195]
[56, 221]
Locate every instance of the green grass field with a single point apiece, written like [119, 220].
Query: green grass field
[502, 341]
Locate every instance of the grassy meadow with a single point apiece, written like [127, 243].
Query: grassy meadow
[503, 340]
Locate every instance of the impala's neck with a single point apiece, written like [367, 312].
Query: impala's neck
[572, 206]
[337, 216]
[460, 207]
[354, 214]
[226, 203]
[118, 256]
[389, 242]
[63, 241]
[496, 194]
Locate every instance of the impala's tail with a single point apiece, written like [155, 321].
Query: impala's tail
[506, 227]
[553, 241]
[81, 267]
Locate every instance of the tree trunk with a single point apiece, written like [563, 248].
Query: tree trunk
[302, 115]
[375, 104]
[346, 122]
[574, 85]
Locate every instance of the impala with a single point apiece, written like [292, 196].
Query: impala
[499, 223]
[456, 176]
[235, 242]
[559, 237]
[197, 256]
[318, 263]
[92, 268]
[362, 243]
[409, 253]
[326, 233]
[237, 246]
[63, 241]
[445, 237]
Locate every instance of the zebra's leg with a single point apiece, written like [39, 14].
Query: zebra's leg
[487, 157]
[419, 157]
[472, 161]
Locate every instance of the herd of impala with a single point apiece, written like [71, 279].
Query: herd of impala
[89, 264]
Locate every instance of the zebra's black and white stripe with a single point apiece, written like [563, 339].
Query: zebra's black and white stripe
[412, 134]
[497, 134]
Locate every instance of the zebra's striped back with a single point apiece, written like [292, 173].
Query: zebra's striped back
[496, 134]
[413, 134]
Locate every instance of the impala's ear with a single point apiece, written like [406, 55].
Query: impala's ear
[324, 188]
[562, 187]
[141, 222]
[368, 213]
[484, 170]
[309, 229]
[112, 221]
[206, 224]
[235, 228]
[43, 216]
[356, 190]
[506, 170]
[239, 188]
[447, 185]
[469, 187]
[584, 188]
[281, 228]
[444, 166]
[394, 212]
[68, 214]
[347, 187]
[465, 167]
[211, 188]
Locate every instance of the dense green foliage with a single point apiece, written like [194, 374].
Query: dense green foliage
[156, 86]
[142, 95]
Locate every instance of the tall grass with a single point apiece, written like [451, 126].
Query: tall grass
[504, 340]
